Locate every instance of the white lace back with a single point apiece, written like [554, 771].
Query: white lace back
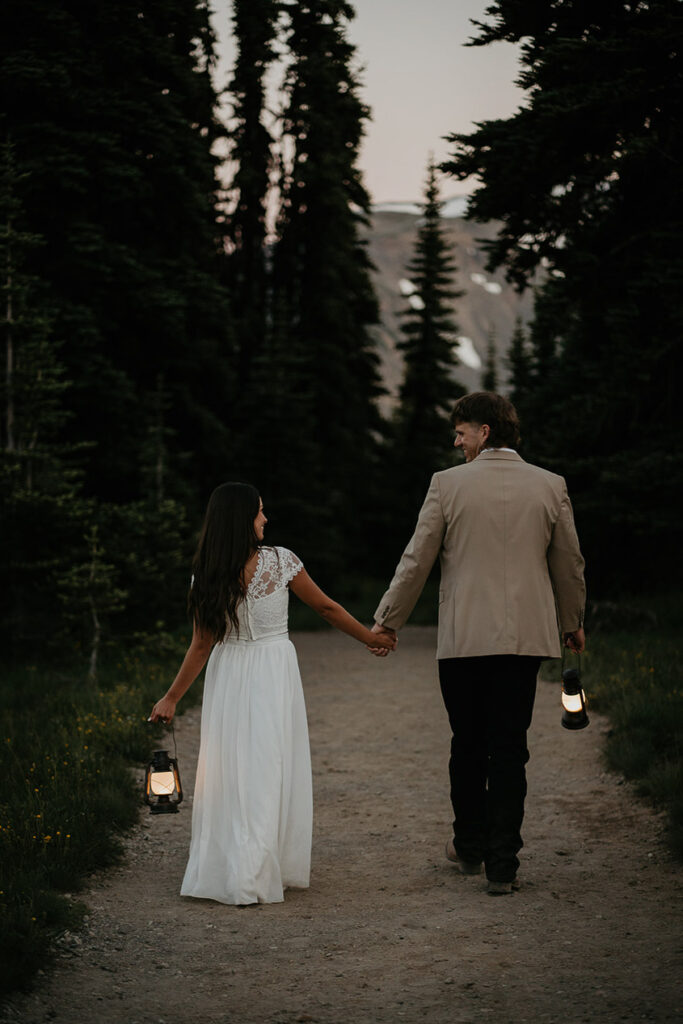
[274, 570]
[264, 611]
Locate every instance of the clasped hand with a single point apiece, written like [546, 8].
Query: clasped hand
[381, 652]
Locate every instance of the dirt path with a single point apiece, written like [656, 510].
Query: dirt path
[388, 931]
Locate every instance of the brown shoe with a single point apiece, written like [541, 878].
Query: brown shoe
[465, 867]
[502, 888]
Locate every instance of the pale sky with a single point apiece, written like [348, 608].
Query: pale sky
[420, 82]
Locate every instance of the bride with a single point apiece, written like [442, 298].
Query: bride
[252, 813]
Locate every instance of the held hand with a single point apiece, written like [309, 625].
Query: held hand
[575, 641]
[163, 711]
[389, 641]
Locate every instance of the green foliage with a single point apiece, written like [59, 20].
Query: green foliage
[89, 594]
[426, 394]
[165, 344]
[41, 510]
[33, 379]
[634, 677]
[112, 121]
[584, 180]
[150, 546]
[419, 442]
[323, 300]
[116, 344]
[518, 365]
[255, 29]
[68, 793]
[489, 380]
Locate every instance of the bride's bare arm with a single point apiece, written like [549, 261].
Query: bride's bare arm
[194, 661]
[311, 594]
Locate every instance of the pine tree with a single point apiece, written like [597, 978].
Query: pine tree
[323, 292]
[89, 594]
[154, 453]
[33, 381]
[255, 30]
[489, 380]
[422, 431]
[518, 364]
[112, 121]
[41, 508]
[112, 116]
[570, 178]
[283, 448]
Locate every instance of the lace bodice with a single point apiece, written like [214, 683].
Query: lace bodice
[263, 612]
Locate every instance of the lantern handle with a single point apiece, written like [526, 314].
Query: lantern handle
[175, 747]
[564, 654]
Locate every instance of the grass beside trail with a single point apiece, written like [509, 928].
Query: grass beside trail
[66, 789]
[632, 673]
[67, 747]
[636, 681]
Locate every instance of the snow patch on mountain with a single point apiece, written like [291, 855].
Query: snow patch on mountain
[398, 208]
[456, 206]
[467, 353]
[492, 287]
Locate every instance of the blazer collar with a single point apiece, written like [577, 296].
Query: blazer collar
[494, 456]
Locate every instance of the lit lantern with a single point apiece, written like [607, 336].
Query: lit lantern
[163, 791]
[573, 701]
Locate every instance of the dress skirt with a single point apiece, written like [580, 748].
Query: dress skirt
[253, 808]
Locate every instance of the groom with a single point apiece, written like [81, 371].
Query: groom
[511, 581]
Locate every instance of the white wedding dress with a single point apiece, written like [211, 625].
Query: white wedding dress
[253, 808]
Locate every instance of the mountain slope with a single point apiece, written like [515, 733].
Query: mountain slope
[488, 304]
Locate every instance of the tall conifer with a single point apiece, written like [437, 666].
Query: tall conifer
[112, 121]
[323, 292]
[429, 388]
[112, 114]
[489, 380]
[255, 29]
[42, 512]
[518, 364]
[584, 180]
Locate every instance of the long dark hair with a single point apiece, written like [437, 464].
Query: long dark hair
[226, 543]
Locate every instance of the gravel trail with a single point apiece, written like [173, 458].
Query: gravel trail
[388, 930]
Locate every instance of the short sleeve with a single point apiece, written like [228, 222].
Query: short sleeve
[290, 565]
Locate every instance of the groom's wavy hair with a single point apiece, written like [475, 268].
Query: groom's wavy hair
[226, 542]
[497, 411]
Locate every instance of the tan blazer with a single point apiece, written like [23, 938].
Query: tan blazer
[511, 567]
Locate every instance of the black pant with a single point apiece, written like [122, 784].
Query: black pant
[489, 701]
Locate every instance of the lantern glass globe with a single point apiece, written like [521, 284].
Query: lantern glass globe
[162, 783]
[573, 701]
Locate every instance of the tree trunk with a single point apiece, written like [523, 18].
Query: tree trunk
[96, 627]
[9, 360]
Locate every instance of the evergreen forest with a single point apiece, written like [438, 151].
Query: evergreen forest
[188, 298]
[585, 182]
